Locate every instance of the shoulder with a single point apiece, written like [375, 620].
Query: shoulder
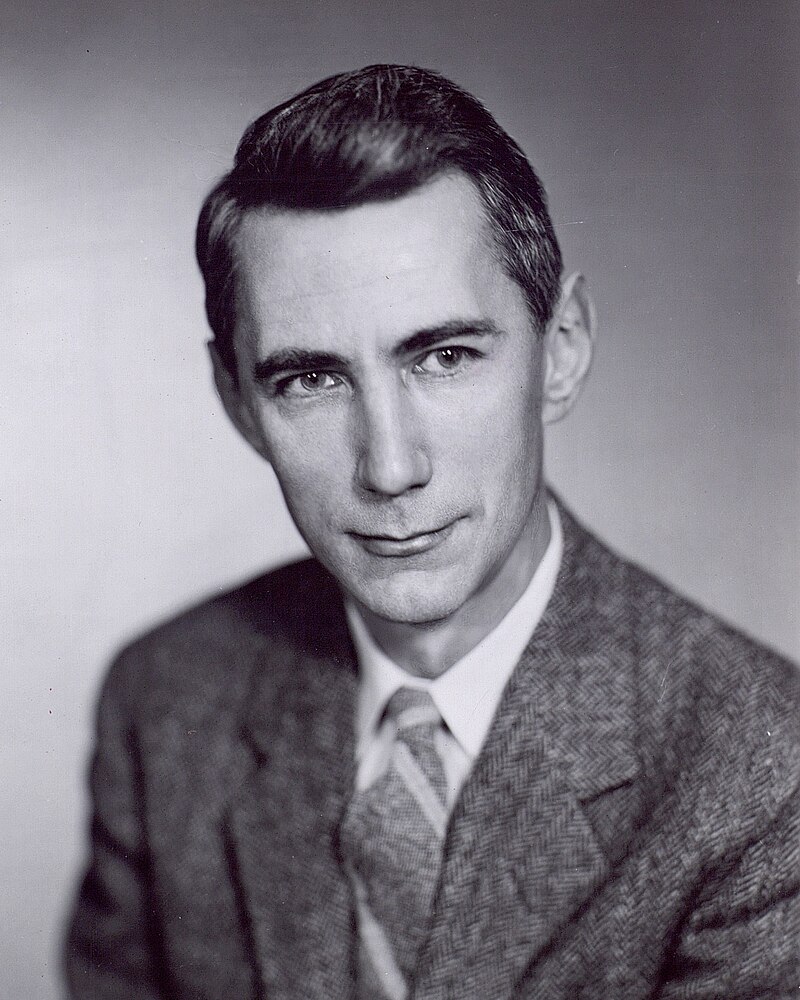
[662, 627]
[710, 700]
[206, 656]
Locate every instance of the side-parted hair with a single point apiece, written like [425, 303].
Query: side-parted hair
[372, 135]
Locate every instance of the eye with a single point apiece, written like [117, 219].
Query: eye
[444, 360]
[308, 384]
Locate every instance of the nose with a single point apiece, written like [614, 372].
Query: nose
[393, 455]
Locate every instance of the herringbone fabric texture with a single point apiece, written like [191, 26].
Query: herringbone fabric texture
[629, 830]
[392, 838]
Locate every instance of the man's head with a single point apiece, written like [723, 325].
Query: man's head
[378, 347]
[368, 136]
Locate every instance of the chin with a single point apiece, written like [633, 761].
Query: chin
[410, 603]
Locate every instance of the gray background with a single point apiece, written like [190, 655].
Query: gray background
[667, 137]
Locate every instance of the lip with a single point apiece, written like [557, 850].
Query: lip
[391, 547]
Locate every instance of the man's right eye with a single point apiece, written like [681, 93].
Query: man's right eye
[308, 384]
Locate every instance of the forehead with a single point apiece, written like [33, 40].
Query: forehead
[388, 267]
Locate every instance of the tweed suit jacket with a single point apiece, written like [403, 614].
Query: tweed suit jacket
[630, 829]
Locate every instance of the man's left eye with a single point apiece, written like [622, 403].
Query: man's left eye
[444, 360]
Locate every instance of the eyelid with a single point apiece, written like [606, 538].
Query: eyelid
[282, 384]
[465, 350]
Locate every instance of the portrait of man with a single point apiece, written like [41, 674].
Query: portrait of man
[465, 750]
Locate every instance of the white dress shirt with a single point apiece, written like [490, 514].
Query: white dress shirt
[467, 695]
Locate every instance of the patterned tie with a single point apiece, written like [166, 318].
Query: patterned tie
[392, 838]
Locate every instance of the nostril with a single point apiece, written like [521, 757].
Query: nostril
[393, 469]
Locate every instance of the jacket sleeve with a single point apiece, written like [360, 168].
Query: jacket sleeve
[742, 938]
[112, 945]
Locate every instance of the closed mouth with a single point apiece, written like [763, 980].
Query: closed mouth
[404, 545]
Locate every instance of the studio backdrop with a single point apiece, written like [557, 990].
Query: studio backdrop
[666, 135]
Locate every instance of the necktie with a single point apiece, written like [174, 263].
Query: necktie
[392, 837]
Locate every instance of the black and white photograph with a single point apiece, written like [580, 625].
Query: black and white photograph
[400, 500]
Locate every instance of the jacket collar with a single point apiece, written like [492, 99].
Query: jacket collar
[522, 851]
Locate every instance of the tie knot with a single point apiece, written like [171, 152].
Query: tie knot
[410, 707]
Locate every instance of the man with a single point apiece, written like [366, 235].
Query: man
[467, 752]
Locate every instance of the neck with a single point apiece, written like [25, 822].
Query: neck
[428, 649]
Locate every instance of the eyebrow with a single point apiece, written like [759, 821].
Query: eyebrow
[436, 334]
[297, 360]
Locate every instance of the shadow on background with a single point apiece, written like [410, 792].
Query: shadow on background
[666, 136]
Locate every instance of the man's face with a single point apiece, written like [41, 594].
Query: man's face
[389, 371]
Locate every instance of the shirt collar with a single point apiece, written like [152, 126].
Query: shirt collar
[468, 694]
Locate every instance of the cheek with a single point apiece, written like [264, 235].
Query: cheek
[495, 439]
[311, 466]
[509, 475]
[309, 502]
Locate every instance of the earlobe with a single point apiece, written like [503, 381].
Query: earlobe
[568, 347]
[235, 406]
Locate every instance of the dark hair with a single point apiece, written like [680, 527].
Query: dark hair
[372, 135]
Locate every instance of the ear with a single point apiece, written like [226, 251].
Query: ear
[235, 405]
[568, 347]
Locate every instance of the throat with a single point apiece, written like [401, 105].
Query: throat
[424, 649]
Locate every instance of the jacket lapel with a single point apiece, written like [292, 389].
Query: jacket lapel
[526, 846]
[529, 840]
[282, 827]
